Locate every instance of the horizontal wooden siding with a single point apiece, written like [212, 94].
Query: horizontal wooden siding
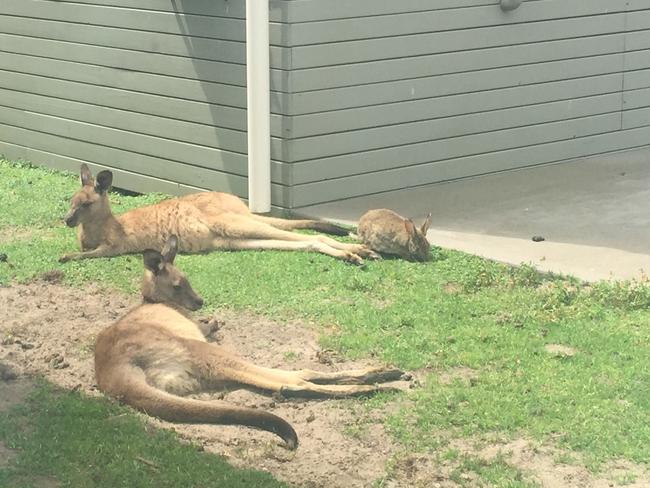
[387, 95]
[153, 89]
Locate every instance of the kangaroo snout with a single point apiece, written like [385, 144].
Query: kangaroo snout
[198, 303]
[71, 219]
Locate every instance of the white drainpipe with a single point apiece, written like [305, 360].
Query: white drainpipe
[258, 105]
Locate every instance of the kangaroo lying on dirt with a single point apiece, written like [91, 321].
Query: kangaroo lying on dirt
[156, 353]
[202, 221]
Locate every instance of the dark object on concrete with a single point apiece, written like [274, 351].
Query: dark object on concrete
[3, 257]
[538, 239]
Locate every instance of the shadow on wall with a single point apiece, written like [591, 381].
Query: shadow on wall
[214, 34]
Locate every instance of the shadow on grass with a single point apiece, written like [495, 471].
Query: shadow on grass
[69, 439]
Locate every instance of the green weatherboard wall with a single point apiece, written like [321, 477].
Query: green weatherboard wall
[366, 95]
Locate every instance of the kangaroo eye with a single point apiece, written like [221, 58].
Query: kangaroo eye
[86, 204]
[177, 286]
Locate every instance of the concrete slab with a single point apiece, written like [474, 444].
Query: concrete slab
[594, 214]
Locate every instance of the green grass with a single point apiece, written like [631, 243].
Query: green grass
[83, 442]
[457, 311]
[496, 472]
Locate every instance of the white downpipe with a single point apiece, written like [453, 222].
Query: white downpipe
[258, 105]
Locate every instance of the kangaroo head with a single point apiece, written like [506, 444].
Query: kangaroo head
[165, 283]
[91, 202]
[418, 244]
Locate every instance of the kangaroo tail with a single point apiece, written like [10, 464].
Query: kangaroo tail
[291, 224]
[152, 401]
[328, 228]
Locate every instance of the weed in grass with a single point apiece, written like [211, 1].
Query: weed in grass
[557, 295]
[625, 479]
[565, 458]
[292, 356]
[626, 295]
[450, 455]
[476, 274]
[525, 275]
[495, 472]
[355, 430]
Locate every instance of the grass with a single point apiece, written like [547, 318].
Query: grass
[458, 311]
[95, 443]
[496, 472]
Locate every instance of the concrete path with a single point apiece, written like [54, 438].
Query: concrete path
[594, 214]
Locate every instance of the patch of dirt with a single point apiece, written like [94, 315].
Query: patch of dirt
[545, 462]
[452, 288]
[6, 455]
[13, 233]
[461, 373]
[49, 330]
[560, 351]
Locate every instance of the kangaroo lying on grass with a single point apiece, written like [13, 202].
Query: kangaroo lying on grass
[156, 353]
[202, 221]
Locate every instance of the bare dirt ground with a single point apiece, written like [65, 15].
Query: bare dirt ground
[49, 330]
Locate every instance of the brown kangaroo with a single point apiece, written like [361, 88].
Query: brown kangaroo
[202, 221]
[155, 354]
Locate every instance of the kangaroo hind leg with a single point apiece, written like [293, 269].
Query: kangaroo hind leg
[245, 228]
[290, 224]
[311, 245]
[219, 366]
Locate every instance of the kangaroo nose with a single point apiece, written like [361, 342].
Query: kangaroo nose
[199, 301]
[69, 219]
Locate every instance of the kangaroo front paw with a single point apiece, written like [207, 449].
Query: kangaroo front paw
[353, 258]
[372, 255]
[65, 258]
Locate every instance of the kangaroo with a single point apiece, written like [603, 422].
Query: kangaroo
[156, 354]
[202, 221]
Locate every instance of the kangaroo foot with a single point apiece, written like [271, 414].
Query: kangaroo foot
[369, 254]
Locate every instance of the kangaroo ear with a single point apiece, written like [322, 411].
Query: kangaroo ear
[410, 227]
[170, 249]
[104, 181]
[153, 260]
[86, 176]
[427, 223]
